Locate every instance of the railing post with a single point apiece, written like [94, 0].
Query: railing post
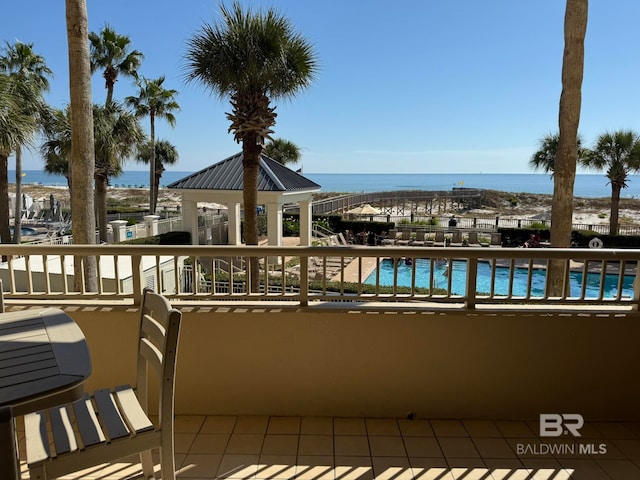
[304, 281]
[136, 272]
[472, 272]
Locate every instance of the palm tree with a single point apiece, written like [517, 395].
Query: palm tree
[575, 29]
[252, 58]
[16, 128]
[30, 69]
[155, 101]
[164, 154]
[619, 154]
[56, 150]
[118, 135]
[282, 151]
[110, 52]
[545, 157]
[82, 145]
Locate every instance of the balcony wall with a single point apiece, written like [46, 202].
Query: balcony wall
[344, 360]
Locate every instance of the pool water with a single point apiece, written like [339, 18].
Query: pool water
[501, 287]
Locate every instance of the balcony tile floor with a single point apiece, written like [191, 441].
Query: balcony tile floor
[325, 448]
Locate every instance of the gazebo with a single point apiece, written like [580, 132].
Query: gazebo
[223, 182]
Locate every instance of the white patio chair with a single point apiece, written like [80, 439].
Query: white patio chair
[124, 428]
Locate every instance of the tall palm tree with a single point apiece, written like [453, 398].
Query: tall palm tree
[118, 135]
[110, 53]
[617, 153]
[20, 61]
[164, 153]
[154, 101]
[545, 157]
[575, 29]
[282, 151]
[82, 145]
[16, 127]
[252, 58]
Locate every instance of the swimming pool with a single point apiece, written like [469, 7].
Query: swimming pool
[502, 274]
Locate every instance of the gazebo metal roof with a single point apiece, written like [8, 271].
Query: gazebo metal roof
[228, 175]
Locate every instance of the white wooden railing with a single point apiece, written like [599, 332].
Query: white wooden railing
[324, 274]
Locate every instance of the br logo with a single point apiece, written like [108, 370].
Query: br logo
[556, 425]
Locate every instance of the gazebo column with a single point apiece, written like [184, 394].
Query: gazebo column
[234, 224]
[306, 222]
[190, 219]
[274, 224]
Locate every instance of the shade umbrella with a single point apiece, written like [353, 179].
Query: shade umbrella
[365, 209]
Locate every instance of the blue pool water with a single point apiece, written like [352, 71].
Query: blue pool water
[501, 287]
[25, 231]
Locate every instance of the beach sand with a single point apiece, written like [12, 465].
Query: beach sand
[588, 211]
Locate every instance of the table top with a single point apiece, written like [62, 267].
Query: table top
[44, 359]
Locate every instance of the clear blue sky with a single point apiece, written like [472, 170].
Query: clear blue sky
[424, 86]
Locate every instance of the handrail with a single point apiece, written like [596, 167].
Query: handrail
[322, 274]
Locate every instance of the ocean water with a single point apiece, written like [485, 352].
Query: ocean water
[586, 185]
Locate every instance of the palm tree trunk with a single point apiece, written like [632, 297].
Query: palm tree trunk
[82, 163]
[152, 169]
[575, 27]
[251, 164]
[102, 183]
[5, 231]
[17, 216]
[615, 205]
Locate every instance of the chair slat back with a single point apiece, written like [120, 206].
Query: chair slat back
[158, 344]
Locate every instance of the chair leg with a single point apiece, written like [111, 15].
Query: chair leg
[147, 465]
[167, 464]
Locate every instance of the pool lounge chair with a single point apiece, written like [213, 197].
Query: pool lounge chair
[390, 239]
[405, 238]
[472, 240]
[496, 240]
[456, 240]
[439, 240]
[420, 240]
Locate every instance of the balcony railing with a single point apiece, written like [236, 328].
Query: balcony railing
[465, 277]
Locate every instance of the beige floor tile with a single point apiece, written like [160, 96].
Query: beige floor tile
[516, 429]
[351, 445]
[284, 425]
[415, 428]
[315, 445]
[489, 447]
[458, 447]
[317, 425]
[188, 423]
[245, 443]
[210, 443]
[545, 469]
[583, 469]
[218, 424]
[633, 426]
[449, 428]
[199, 466]
[382, 426]
[613, 430]
[241, 467]
[312, 467]
[385, 446]
[183, 442]
[422, 447]
[281, 467]
[386, 468]
[481, 428]
[280, 445]
[251, 424]
[505, 469]
[619, 469]
[354, 468]
[629, 447]
[430, 469]
[467, 468]
[349, 426]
